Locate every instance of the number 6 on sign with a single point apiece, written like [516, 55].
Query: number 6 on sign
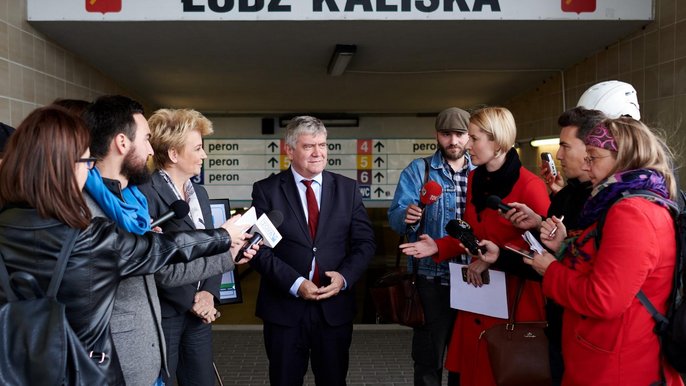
[363, 177]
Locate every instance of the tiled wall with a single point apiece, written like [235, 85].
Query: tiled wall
[34, 71]
[652, 60]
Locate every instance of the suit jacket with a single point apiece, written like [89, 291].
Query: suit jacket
[178, 299]
[344, 242]
[136, 319]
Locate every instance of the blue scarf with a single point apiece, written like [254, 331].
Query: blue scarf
[130, 214]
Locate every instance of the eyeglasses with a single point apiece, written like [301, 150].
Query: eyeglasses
[591, 159]
[90, 162]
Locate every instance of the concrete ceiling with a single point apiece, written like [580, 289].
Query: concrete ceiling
[223, 67]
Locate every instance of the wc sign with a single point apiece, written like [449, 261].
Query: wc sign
[104, 6]
[578, 6]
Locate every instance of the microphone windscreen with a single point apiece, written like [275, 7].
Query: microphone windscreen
[493, 202]
[276, 217]
[180, 208]
[430, 193]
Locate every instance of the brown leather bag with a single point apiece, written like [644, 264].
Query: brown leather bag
[518, 351]
[396, 299]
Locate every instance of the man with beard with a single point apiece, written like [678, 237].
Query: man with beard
[120, 142]
[449, 167]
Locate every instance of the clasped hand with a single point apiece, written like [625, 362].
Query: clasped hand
[309, 291]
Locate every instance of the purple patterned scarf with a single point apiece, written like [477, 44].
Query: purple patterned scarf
[608, 191]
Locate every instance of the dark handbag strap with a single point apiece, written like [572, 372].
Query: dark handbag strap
[57, 275]
[398, 254]
[513, 311]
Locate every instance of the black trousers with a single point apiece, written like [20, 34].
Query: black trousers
[289, 350]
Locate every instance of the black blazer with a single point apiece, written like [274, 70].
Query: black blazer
[178, 300]
[344, 243]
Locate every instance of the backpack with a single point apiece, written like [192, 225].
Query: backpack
[670, 328]
[37, 345]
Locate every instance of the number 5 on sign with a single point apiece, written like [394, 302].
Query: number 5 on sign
[364, 162]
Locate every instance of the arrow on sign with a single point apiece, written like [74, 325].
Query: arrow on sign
[378, 176]
[379, 146]
[378, 161]
[272, 146]
[379, 192]
[273, 161]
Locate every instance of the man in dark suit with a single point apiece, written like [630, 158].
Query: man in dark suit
[306, 296]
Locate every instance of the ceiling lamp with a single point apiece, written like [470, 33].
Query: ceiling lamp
[538, 142]
[342, 55]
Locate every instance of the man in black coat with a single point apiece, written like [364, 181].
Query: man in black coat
[306, 296]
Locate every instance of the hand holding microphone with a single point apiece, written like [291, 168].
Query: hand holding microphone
[259, 230]
[430, 193]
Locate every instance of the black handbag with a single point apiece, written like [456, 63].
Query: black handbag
[37, 345]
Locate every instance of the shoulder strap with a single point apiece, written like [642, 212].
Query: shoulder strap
[5, 281]
[61, 265]
[647, 194]
[661, 321]
[427, 164]
[57, 275]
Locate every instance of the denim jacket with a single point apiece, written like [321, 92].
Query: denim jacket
[436, 215]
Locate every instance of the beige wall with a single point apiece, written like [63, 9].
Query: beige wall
[652, 60]
[34, 71]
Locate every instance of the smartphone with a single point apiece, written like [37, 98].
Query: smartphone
[523, 252]
[485, 277]
[547, 159]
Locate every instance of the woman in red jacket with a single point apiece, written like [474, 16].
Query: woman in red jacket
[499, 172]
[607, 334]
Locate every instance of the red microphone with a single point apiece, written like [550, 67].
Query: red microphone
[430, 193]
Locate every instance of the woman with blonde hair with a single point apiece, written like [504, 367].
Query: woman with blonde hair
[187, 310]
[499, 172]
[607, 334]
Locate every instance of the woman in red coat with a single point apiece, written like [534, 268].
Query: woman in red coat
[607, 334]
[499, 172]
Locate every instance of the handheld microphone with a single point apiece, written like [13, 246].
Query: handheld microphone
[430, 193]
[178, 209]
[495, 203]
[260, 229]
[461, 230]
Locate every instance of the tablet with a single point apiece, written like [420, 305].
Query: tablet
[230, 288]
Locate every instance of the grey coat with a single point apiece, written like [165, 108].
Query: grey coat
[136, 318]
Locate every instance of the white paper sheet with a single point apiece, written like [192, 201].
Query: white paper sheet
[489, 299]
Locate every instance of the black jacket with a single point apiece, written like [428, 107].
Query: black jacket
[178, 300]
[102, 256]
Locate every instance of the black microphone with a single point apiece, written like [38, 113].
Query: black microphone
[275, 217]
[178, 209]
[495, 203]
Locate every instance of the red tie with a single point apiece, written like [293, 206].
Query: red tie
[312, 209]
[312, 220]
